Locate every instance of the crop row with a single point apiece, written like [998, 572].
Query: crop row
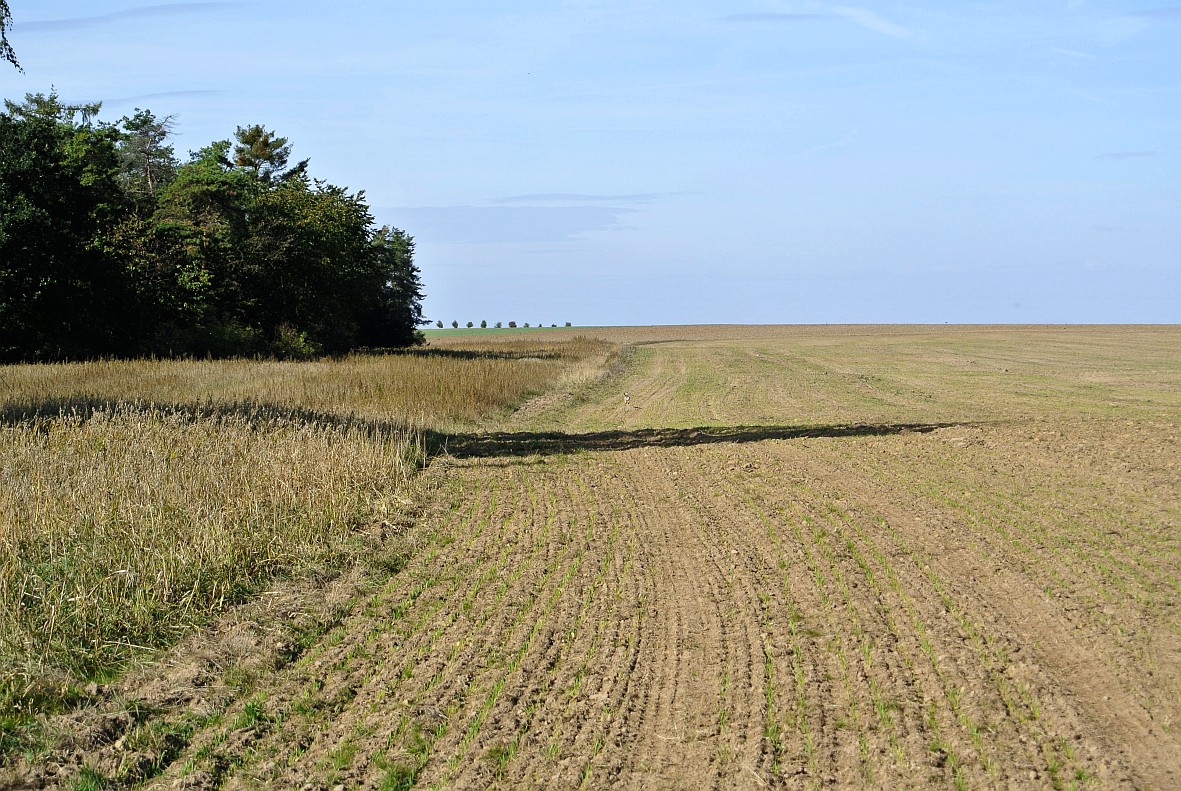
[909, 660]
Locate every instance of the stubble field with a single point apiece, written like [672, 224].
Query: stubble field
[799, 557]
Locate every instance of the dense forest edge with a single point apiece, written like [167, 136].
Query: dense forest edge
[110, 245]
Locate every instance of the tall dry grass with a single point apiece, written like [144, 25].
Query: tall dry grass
[438, 388]
[137, 498]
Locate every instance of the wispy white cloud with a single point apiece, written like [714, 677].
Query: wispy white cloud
[159, 10]
[844, 141]
[864, 17]
[1117, 30]
[1130, 155]
[159, 95]
[872, 21]
[504, 224]
[1074, 53]
[1092, 97]
[771, 17]
[1169, 12]
[574, 197]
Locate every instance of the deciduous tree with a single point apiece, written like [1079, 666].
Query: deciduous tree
[201, 217]
[58, 191]
[6, 52]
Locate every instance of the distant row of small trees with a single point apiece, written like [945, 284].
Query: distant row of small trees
[484, 325]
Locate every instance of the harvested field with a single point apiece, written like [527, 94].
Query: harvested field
[797, 558]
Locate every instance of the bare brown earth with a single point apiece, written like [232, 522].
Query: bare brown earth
[798, 558]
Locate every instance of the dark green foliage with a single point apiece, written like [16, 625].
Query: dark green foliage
[38, 105]
[6, 52]
[397, 314]
[265, 155]
[109, 246]
[58, 190]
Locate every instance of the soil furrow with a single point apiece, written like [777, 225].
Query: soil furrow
[984, 596]
[646, 605]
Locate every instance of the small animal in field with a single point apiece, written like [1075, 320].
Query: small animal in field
[627, 399]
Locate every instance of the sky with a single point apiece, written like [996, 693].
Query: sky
[660, 162]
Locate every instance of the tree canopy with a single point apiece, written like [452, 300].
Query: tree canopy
[109, 245]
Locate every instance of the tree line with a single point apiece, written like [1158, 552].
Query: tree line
[111, 245]
[484, 325]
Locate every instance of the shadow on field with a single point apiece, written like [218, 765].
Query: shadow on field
[457, 445]
[256, 414]
[493, 444]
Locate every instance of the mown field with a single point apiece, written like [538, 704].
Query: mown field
[799, 557]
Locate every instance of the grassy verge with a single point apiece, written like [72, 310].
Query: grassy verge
[431, 387]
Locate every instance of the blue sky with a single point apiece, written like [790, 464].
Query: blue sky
[652, 161]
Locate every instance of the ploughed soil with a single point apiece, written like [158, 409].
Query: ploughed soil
[819, 561]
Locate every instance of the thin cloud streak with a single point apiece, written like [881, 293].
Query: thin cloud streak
[1130, 155]
[871, 21]
[844, 141]
[161, 95]
[771, 17]
[170, 9]
[1172, 12]
[504, 224]
[573, 197]
[1074, 53]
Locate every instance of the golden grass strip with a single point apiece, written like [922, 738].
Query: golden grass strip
[432, 387]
